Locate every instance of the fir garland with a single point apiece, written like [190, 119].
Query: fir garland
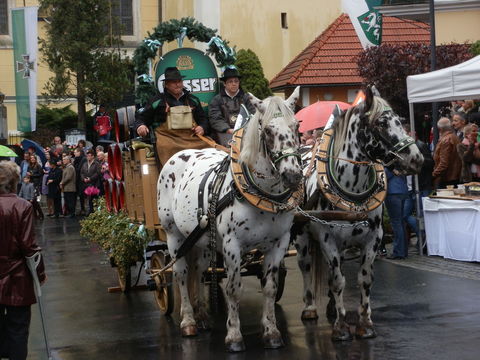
[175, 30]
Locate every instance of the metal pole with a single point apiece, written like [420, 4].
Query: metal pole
[420, 219]
[433, 66]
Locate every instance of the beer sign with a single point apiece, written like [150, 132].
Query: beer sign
[199, 70]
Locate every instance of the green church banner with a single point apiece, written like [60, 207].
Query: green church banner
[200, 73]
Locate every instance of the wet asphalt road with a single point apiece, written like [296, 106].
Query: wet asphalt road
[418, 314]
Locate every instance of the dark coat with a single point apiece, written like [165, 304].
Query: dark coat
[154, 113]
[36, 174]
[93, 172]
[78, 163]
[425, 180]
[223, 107]
[16, 242]
[54, 187]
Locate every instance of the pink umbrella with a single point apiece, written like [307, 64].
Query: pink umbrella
[316, 115]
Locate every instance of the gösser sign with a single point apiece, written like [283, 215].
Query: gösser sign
[199, 71]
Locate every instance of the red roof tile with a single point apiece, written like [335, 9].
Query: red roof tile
[330, 58]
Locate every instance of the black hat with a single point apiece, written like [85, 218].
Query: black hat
[230, 73]
[172, 73]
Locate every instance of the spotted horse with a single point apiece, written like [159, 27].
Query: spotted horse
[345, 174]
[267, 168]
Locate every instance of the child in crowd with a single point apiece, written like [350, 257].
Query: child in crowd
[27, 192]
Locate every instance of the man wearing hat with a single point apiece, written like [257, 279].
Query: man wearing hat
[225, 107]
[176, 114]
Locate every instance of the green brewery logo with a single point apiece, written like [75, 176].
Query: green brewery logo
[199, 71]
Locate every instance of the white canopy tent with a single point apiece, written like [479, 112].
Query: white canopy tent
[458, 82]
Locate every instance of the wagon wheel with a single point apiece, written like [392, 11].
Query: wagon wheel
[164, 291]
[282, 274]
[124, 278]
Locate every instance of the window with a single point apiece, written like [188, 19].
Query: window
[122, 10]
[284, 20]
[3, 17]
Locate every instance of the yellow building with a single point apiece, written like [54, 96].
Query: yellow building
[276, 30]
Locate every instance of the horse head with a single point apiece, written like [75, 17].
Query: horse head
[383, 137]
[272, 134]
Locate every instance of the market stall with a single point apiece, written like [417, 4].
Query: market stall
[459, 82]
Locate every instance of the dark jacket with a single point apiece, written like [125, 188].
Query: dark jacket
[54, 187]
[425, 180]
[154, 113]
[17, 241]
[224, 109]
[93, 172]
[78, 163]
[469, 156]
[36, 174]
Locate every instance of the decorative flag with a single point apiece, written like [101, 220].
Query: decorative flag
[366, 20]
[25, 44]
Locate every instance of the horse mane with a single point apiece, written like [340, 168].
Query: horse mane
[251, 138]
[341, 126]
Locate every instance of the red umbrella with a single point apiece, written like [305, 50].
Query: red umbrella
[316, 115]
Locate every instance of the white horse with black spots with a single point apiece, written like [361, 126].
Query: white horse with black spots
[367, 133]
[270, 151]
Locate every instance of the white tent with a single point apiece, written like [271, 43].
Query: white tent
[458, 82]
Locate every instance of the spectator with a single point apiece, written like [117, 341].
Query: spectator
[25, 164]
[27, 192]
[99, 148]
[35, 172]
[46, 171]
[469, 152]
[54, 192]
[90, 175]
[397, 193]
[78, 162]
[16, 283]
[424, 183]
[33, 151]
[225, 107]
[458, 124]
[82, 144]
[68, 185]
[103, 123]
[101, 158]
[447, 162]
[185, 106]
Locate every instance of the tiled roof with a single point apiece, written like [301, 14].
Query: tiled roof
[330, 58]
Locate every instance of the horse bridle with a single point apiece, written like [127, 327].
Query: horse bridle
[275, 156]
[393, 150]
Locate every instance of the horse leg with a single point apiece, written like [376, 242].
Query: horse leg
[188, 325]
[233, 289]
[341, 330]
[200, 308]
[304, 260]
[272, 338]
[365, 329]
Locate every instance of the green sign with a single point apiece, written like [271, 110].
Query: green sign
[199, 70]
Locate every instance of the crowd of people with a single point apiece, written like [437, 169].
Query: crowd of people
[455, 160]
[63, 178]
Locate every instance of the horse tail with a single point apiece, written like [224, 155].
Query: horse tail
[320, 275]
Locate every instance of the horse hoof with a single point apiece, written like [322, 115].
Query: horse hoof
[342, 334]
[309, 315]
[273, 342]
[189, 331]
[234, 347]
[362, 332]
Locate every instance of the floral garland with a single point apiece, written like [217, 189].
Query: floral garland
[176, 30]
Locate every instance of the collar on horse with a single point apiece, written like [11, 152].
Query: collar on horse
[247, 187]
[338, 196]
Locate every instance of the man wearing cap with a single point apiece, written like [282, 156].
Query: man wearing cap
[175, 102]
[225, 107]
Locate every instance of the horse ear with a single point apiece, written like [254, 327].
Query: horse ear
[292, 100]
[368, 98]
[259, 104]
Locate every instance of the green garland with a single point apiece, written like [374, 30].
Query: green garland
[176, 30]
[121, 239]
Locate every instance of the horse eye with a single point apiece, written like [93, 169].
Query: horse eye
[268, 131]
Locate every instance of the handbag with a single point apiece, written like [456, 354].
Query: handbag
[180, 118]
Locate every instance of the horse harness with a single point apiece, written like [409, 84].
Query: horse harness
[242, 187]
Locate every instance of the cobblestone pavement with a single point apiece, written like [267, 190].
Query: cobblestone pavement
[437, 264]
